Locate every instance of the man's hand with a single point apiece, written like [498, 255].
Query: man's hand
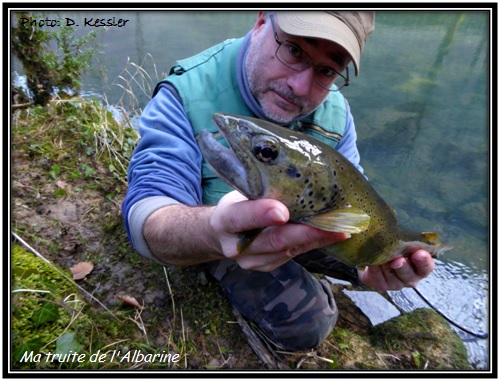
[276, 244]
[399, 273]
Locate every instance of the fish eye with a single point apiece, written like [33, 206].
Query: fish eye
[266, 150]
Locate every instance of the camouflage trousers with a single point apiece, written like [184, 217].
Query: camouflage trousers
[294, 310]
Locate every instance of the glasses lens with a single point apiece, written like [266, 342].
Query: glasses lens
[292, 56]
[327, 77]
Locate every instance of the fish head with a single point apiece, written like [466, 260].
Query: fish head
[265, 160]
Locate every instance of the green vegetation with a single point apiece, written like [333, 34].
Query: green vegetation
[48, 70]
[423, 339]
[50, 316]
[79, 124]
[44, 304]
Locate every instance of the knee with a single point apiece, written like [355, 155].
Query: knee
[303, 326]
[301, 334]
[293, 309]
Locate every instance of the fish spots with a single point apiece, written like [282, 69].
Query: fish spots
[293, 172]
[311, 204]
[304, 204]
[317, 180]
[334, 196]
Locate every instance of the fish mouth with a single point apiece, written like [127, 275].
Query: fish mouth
[233, 165]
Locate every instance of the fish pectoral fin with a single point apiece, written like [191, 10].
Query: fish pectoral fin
[346, 220]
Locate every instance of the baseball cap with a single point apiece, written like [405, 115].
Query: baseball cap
[349, 29]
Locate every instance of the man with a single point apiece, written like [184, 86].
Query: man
[288, 69]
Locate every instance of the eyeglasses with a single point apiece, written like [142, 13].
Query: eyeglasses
[293, 57]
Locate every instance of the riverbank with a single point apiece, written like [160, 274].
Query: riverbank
[68, 180]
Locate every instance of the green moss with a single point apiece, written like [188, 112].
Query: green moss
[423, 339]
[420, 339]
[50, 316]
[43, 303]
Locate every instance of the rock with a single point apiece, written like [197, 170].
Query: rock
[421, 339]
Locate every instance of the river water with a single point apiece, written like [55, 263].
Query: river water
[421, 107]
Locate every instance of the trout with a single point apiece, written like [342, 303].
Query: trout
[318, 185]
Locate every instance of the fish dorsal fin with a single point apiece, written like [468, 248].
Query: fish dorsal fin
[431, 237]
[437, 248]
[345, 220]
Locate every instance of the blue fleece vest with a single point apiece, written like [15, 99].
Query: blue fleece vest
[207, 83]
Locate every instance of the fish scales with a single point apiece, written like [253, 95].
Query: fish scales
[320, 187]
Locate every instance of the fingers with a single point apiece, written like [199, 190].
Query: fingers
[235, 214]
[230, 218]
[276, 244]
[293, 239]
[423, 263]
[399, 273]
[377, 277]
[262, 262]
[409, 271]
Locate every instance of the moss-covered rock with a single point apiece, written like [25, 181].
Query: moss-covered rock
[421, 339]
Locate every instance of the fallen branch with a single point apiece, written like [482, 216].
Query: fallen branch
[21, 105]
[263, 351]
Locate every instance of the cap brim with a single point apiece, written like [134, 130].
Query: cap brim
[321, 25]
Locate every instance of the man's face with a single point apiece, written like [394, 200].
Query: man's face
[283, 93]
